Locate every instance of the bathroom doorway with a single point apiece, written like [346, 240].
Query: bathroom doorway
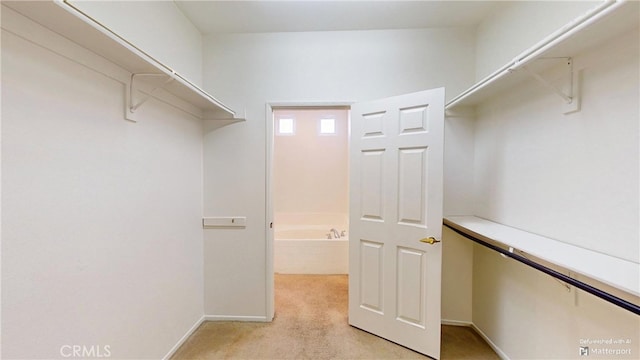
[307, 189]
[310, 190]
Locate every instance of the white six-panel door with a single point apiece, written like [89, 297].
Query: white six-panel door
[396, 165]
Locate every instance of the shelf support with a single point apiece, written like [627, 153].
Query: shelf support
[486, 242]
[570, 96]
[132, 106]
[524, 255]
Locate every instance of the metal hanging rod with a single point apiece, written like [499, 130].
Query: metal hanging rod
[567, 279]
[69, 7]
[540, 48]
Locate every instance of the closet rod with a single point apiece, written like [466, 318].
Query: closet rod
[552, 40]
[569, 280]
[75, 11]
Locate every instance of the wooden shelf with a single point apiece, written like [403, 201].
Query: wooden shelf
[618, 273]
[78, 27]
[606, 22]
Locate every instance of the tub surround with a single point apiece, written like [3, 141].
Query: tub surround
[302, 244]
[311, 256]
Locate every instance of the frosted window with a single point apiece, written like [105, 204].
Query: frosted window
[285, 126]
[327, 126]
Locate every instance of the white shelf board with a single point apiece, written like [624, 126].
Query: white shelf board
[78, 27]
[619, 273]
[616, 18]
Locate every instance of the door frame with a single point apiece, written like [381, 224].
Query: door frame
[269, 141]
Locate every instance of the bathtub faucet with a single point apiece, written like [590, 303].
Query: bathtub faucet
[335, 233]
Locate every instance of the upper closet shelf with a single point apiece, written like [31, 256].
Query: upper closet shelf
[608, 20]
[62, 18]
[619, 273]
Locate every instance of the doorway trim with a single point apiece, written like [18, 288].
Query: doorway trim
[269, 140]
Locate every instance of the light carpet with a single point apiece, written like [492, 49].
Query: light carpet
[311, 323]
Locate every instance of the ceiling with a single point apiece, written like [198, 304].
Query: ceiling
[212, 17]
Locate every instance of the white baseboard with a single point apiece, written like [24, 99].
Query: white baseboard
[456, 322]
[211, 318]
[236, 318]
[495, 348]
[470, 324]
[184, 338]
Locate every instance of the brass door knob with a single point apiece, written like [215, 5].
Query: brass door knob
[430, 240]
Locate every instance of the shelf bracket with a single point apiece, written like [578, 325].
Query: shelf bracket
[524, 255]
[570, 95]
[132, 105]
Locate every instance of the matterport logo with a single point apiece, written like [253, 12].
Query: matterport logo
[84, 351]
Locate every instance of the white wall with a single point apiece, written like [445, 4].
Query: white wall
[458, 161]
[457, 252]
[158, 28]
[517, 26]
[457, 278]
[310, 170]
[101, 236]
[569, 177]
[250, 70]
[529, 315]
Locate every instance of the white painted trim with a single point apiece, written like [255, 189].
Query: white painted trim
[206, 318]
[470, 324]
[310, 104]
[237, 318]
[495, 347]
[270, 294]
[184, 338]
[456, 323]
[269, 108]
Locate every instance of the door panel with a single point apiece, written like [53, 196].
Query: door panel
[396, 153]
[414, 119]
[410, 290]
[412, 186]
[372, 199]
[373, 124]
[371, 284]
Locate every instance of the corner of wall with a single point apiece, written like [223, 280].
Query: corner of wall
[457, 274]
[184, 338]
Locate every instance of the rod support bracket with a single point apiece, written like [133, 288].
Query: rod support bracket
[131, 90]
[569, 93]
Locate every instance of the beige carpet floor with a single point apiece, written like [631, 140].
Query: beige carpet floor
[311, 323]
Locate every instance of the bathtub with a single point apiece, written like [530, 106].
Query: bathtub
[306, 250]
